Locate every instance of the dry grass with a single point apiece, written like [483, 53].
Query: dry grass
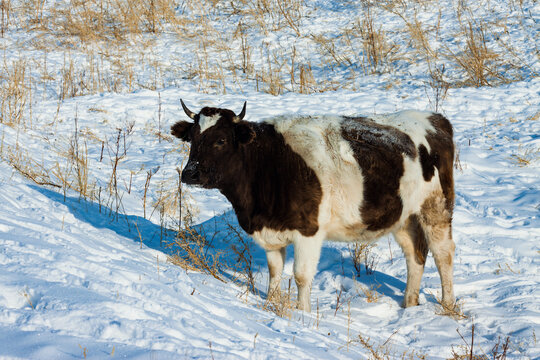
[370, 293]
[439, 88]
[84, 351]
[5, 13]
[378, 51]
[191, 252]
[241, 248]
[113, 20]
[468, 351]
[384, 350]
[24, 293]
[21, 161]
[475, 58]
[117, 37]
[283, 305]
[15, 93]
[455, 311]
[525, 157]
[362, 254]
[534, 117]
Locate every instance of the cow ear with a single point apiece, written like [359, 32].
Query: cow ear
[244, 133]
[181, 130]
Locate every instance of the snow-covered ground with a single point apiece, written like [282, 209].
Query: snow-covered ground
[79, 281]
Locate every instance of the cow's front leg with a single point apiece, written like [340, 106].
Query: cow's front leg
[306, 258]
[275, 259]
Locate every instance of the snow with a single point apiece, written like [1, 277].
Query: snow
[78, 280]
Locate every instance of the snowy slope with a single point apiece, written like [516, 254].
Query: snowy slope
[72, 275]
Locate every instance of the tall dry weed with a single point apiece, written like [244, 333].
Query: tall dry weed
[5, 14]
[190, 251]
[15, 93]
[378, 51]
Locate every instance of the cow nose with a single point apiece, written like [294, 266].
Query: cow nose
[190, 174]
[190, 177]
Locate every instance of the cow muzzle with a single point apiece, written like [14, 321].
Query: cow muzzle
[191, 175]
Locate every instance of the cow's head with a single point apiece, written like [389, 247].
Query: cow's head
[216, 136]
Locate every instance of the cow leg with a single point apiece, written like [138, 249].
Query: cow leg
[276, 259]
[306, 258]
[436, 221]
[412, 240]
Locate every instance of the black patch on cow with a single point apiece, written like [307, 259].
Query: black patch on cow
[428, 162]
[442, 148]
[379, 151]
[274, 187]
[379, 136]
[416, 232]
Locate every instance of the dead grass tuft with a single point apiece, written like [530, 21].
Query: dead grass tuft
[283, 305]
[371, 294]
[241, 247]
[191, 252]
[15, 93]
[383, 351]
[455, 311]
[5, 14]
[524, 157]
[467, 351]
[378, 52]
[362, 254]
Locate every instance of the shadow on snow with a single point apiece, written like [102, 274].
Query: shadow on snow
[220, 235]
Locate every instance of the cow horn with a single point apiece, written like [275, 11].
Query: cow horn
[240, 116]
[188, 112]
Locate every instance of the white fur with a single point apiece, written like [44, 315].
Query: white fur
[412, 122]
[206, 122]
[270, 239]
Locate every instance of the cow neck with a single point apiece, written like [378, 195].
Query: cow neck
[271, 183]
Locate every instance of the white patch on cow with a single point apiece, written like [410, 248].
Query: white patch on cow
[206, 122]
[413, 190]
[414, 123]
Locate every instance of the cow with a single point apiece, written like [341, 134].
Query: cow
[303, 179]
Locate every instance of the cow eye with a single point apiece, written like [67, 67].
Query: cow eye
[220, 142]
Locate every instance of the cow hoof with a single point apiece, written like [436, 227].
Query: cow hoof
[409, 301]
[449, 306]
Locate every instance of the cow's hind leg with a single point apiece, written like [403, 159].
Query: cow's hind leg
[412, 240]
[276, 260]
[306, 258]
[436, 220]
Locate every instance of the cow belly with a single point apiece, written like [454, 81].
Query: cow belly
[347, 229]
[270, 239]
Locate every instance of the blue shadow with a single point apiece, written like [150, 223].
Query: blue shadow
[220, 232]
